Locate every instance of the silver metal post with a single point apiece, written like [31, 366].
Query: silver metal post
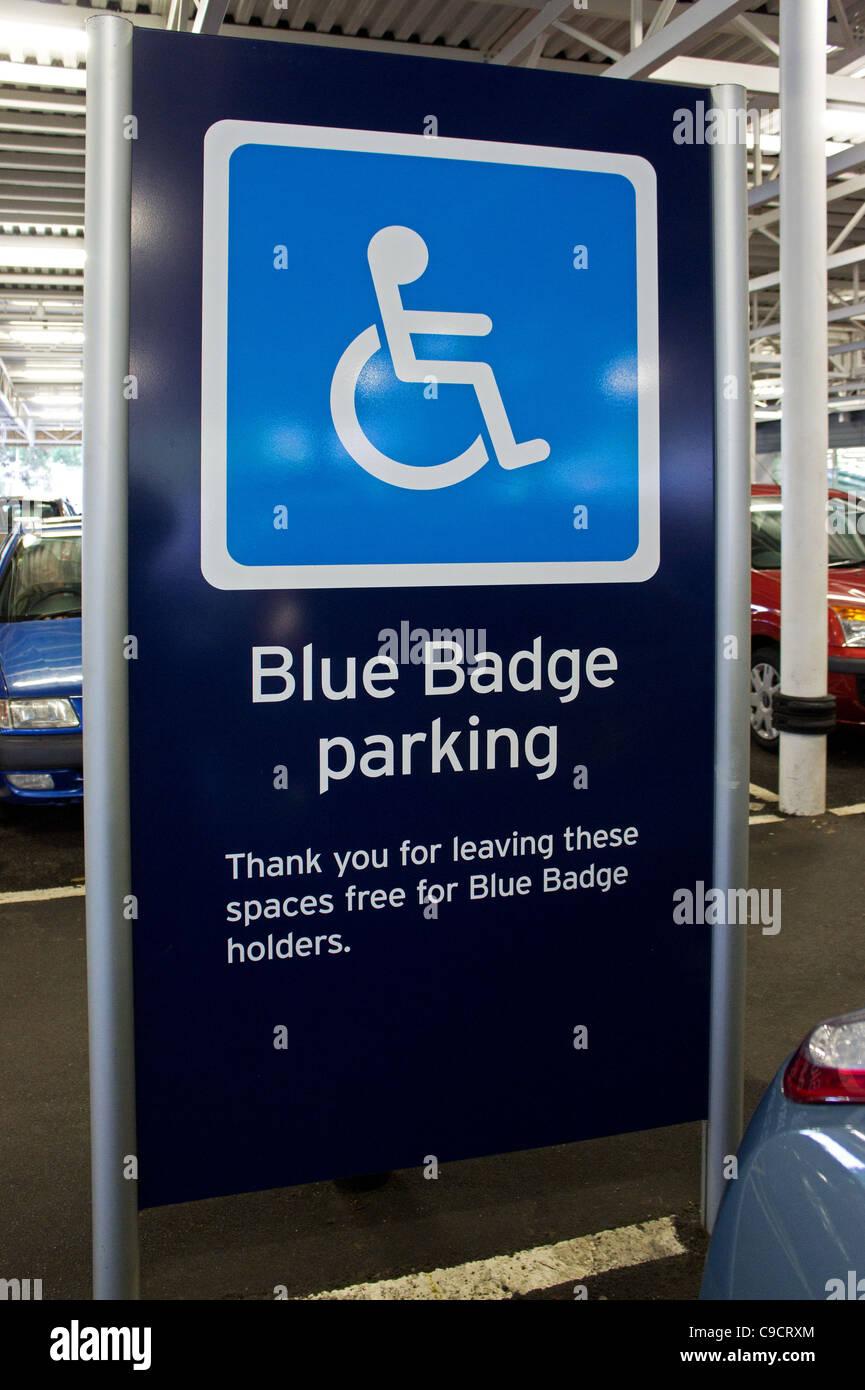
[804, 427]
[733, 642]
[106, 737]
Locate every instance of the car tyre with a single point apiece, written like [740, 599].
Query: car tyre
[765, 684]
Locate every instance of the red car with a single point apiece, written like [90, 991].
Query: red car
[845, 527]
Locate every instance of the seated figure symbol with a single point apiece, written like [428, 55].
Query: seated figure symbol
[398, 256]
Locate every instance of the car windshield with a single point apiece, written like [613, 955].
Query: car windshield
[42, 579]
[845, 526]
[31, 507]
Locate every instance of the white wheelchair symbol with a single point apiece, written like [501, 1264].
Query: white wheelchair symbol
[397, 256]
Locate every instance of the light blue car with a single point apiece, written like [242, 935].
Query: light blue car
[792, 1225]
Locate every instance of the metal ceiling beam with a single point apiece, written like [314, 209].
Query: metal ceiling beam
[635, 22]
[42, 193]
[68, 76]
[662, 14]
[836, 164]
[588, 39]
[621, 9]
[756, 77]
[42, 435]
[18, 100]
[856, 310]
[176, 17]
[839, 349]
[46, 178]
[851, 54]
[53, 321]
[45, 305]
[43, 221]
[468, 55]
[847, 60]
[846, 311]
[55, 145]
[34, 355]
[529, 32]
[837, 8]
[48, 163]
[70, 15]
[66, 16]
[41, 123]
[45, 217]
[853, 253]
[27, 251]
[848, 227]
[209, 16]
[747, 27]
[41, 280]
[532, 58]
[845, 159]
[701, 19]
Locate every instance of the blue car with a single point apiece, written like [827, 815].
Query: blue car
[40, 662]
[792, 1224]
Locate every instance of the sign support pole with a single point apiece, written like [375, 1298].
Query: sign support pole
[733, 638]
[110, 907]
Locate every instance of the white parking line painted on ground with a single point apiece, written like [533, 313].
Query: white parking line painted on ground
[855, 810]
[35, 895]
[762, 820]
[544, 1267]
[762, 792]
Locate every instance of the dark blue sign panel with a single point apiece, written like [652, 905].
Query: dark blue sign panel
[421, 538]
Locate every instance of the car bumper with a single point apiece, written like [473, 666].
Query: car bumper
[792, 1225]
[39, 768]
[847, 684]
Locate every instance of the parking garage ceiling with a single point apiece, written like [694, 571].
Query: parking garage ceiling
[42, 134]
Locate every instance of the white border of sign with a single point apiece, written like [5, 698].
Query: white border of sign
[217, 565]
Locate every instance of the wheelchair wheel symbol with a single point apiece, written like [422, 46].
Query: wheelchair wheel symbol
[343, 409]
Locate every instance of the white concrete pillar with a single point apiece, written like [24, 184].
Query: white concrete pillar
[804, 428]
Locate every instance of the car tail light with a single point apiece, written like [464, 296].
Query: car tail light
[830, 1064]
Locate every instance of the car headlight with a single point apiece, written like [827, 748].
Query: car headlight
[852, 622]
[40, 714]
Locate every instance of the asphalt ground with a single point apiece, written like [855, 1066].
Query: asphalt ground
[325, 1236]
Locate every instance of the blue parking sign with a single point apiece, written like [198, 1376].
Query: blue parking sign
[426, 361]
[385, 897]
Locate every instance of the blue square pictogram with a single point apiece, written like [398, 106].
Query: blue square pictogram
[426, 361]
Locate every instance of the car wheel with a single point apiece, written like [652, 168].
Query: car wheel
[765, 684]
